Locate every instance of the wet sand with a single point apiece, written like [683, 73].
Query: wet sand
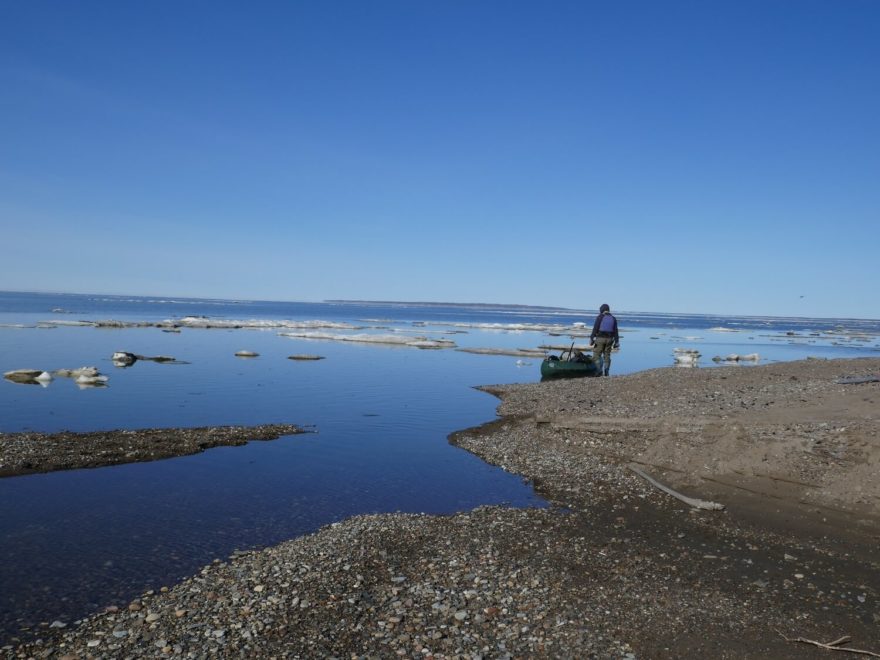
[616, 569]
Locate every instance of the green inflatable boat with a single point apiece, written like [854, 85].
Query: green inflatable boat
[576, 366]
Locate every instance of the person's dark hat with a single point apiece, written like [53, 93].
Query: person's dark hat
[604, 308]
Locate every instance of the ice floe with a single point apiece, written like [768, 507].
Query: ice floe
[513, 352]
[686, 357]
[84, 381]
[76, 373]
[397, 340]
[204, 322]
[83, 377]
[565, 347]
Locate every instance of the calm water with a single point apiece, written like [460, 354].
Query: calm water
[71, 542]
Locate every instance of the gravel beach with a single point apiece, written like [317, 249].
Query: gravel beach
[616, 568]
[29, 452]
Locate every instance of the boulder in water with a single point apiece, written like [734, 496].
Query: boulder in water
[247, 354]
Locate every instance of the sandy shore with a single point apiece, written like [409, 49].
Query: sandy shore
[615, 569]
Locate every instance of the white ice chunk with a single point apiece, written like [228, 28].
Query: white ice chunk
[397, 340]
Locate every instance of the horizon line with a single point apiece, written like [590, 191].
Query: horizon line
[444, 303]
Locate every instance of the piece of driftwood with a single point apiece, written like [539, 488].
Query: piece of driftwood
[690, 501]
[831, 646]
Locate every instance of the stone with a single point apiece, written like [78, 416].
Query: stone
[247, 354]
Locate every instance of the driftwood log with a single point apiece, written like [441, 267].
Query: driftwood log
[690, 501]
[831, 646]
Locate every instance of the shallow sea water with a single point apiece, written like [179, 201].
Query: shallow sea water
[71, 542]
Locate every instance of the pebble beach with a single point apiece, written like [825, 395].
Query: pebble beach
[616, 568]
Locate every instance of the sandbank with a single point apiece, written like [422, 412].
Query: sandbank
[30, 452]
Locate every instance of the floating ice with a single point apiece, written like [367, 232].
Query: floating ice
[76, 373]
[83, 381]
[398, 340]
[686, 357]
[514, 352]
[204, 322]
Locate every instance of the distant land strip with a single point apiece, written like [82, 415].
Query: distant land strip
[482, 306]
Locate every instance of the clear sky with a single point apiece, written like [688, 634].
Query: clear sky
[715, 157]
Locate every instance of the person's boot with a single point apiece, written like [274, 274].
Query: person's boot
[605, 372]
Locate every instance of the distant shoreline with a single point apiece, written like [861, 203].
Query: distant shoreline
[480, 306]
[455, 305]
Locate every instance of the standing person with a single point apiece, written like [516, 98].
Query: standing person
[604, 337]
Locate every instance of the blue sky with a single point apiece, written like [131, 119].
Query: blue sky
[716, 157]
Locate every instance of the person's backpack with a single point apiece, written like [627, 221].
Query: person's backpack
[607, 324]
